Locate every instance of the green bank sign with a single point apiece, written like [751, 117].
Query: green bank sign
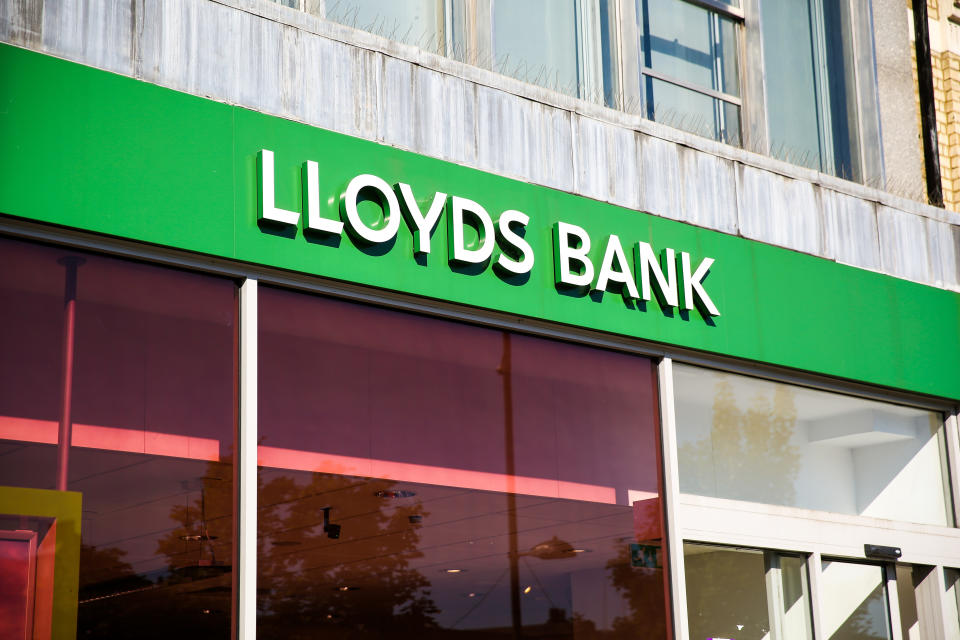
[85, 149]
[473, 237]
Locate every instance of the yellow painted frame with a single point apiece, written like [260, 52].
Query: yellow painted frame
[65, 507]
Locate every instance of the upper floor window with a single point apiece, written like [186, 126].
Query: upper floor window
[797, 96]
[690, 78]
[564, 46]
[810, 85]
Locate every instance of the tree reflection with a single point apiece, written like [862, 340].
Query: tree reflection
[643, 589]
[191, 596]
[356, 586]
[749, 451]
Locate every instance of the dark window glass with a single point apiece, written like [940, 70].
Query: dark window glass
[152, 420]
[423, 478]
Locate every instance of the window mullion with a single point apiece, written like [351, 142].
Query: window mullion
[814, 573]
[671, 495]
[893, 602]
[775, 604]
[246, 533]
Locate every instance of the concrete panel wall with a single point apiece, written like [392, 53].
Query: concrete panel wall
[264, 56]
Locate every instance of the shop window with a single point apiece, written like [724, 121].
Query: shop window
[854, 601]
[424, 478]
[811, 86]
[761, 441]
[746, 593]
[689, 72]
[151, 412]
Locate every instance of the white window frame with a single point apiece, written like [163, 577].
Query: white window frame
[816, 534]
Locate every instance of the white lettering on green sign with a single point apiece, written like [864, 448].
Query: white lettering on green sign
[472, 235]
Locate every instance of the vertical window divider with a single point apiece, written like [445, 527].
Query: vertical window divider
[775, 604]
[931, 593]
[814, 572]
[246, 533]
[893, 601]
[952, 432]
[670, 496]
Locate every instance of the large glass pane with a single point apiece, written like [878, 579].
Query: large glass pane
[692, 111]
[811, 92]
[423, 478]
[567, 46]
[694, 46]
[796, 622]
[689, 43]
[151, 409]
[854, 602]
[732, 592]
[726, 593]
[415, 22]
[750, 439]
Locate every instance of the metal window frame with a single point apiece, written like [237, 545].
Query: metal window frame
[630, 41]
[682, 511]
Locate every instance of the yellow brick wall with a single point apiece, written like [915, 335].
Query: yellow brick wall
[946, 90]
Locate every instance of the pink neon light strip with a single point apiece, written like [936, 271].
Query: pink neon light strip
[423, 474]
[112, 439]
[165, 444]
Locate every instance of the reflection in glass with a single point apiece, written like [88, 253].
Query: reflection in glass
[810, 85]
[908, 578]
[684, 44]
[731, 593]
[726, 592]
[565, 46]
[152, 431]
[796, 622]
[472, 482]
[762, 441]
[692, 111]
[414, 22]
[854, 602]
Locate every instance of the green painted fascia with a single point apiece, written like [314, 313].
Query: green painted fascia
[105, 153]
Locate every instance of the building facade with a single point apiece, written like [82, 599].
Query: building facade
[586, 319]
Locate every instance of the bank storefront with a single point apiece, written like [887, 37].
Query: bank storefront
[265, 380]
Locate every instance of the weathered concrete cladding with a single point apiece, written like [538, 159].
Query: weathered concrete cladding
[264, 56]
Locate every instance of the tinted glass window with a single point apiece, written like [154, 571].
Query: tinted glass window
[422, 477]
[151, 410]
